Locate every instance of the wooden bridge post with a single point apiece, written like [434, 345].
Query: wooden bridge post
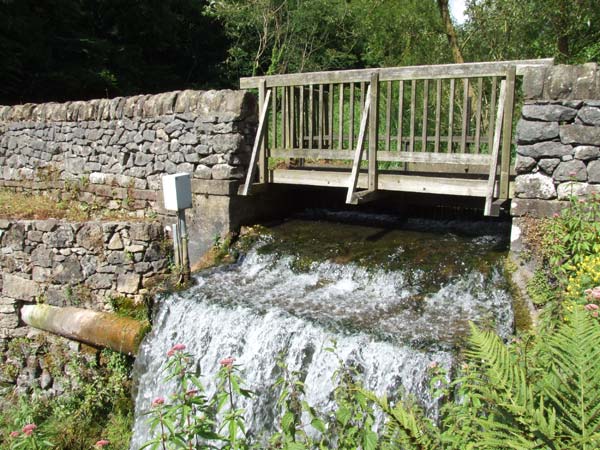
[373, 131]
[262, 158]
[507, 132]
[259, 147]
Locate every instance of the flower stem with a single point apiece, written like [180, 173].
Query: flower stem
[231, 404]
[162, 430]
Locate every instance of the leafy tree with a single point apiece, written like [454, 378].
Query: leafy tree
[504, 29]
[400, 33]
[283, 36]
[80, 49]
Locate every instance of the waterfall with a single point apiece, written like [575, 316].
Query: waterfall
[389, 311]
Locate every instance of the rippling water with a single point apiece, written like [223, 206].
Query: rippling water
[393, 300]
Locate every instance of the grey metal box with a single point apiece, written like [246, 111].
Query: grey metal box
[177, 191]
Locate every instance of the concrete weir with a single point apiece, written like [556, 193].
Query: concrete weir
[91, 327]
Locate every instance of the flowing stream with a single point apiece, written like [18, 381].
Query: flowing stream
[393, 297]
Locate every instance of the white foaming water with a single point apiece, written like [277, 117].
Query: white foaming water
[382, 321]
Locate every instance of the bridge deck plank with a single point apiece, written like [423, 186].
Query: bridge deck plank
[469, 187]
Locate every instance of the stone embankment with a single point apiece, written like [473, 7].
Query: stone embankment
[558, 137]
[129, 142]
[112, 154]
[75, 264]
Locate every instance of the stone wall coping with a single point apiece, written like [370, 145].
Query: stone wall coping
[6, 222]
[562, 82]
[227, 105]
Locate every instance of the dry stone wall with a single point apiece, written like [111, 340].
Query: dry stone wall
[75, 264]
[128, 142]
[558, 137]
[112, 153]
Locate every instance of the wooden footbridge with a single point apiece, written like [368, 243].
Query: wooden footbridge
[444, 129]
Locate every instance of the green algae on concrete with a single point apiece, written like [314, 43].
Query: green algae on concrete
[432, 256]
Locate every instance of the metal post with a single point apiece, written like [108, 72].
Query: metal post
[185, 260]
[176, 246]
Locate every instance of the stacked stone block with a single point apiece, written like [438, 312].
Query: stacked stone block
[558, 152]
[120, 148]
[75, 264]
[558, 138]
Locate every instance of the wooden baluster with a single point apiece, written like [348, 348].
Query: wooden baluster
[301, 111]
[492, 114]
[284, 117]
[400, 114]
[293, 116]
[262, 156]
[362, 94]
[478, 117]
[274, 118]
[321, 117]
[388, 116]
[413, 107]
[351, 127]
[330, 117]
[341, 118]
[451, 115]
[425, 115]
[465, 116]
[438, 115]
[507, 132]
[373, 132]
[310, 116]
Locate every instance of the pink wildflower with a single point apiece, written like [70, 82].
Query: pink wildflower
[594, 313]
[175, 348]
[596, 293]
[158, 401]
[433, 365]
[591, 307]
[14, 434]
[556, 215]
[227, 362]
[29, 428]
[102, 443]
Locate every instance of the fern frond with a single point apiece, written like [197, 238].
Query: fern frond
[515, 418]
[406, 425]
[573, 381]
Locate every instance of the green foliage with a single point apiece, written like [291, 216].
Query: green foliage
[280, 36]
[68, 50]
[512, 29]
[540, 290]
[512, 396]
[584, 285]
[97, 403]
[188, 419]
[110, 48]
[128, 307]
[573, 235]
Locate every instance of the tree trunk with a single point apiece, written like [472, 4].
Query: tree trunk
[563, 46]
[450, 31]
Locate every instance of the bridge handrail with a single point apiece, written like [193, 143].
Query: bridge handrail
[440, 71]
[409, 115]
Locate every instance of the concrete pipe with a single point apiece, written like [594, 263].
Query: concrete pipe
[100, 329]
